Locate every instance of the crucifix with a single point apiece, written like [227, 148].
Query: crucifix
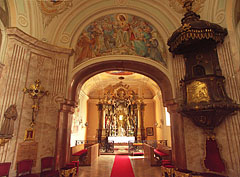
[36, 92]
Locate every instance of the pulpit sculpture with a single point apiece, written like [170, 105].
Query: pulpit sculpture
[205, 100]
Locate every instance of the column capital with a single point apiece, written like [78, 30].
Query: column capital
[100, 106]
[172, 106]
[68, 106]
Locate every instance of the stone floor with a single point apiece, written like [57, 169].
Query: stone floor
[103, 165]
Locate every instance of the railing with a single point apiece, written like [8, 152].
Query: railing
[85, 142]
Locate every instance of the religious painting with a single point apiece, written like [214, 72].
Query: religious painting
[149, 131]
[29, 134]
[120, 34]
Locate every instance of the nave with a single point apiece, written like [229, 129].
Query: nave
[104, 163]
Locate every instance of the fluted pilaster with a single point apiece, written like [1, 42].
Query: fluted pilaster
[231, 126]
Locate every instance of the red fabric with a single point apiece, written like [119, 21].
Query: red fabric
[29, 175]
[213, 161]
[122, 167]
[169, 166]
[76, 164]
[79, 153]
[24, 166]
[47, 167]
[166, 162]
[160, 153]
[138, 153]
[70, 165]
[47, 162]
[4, 168]
[49, 173]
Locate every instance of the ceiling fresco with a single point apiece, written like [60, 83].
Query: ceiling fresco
[52, 8]
[120, 34]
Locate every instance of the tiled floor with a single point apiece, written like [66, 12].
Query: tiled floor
[103, 165]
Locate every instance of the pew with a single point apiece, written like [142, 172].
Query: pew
[86, 154]
[149, 154]
[165, 150]
[161, 155]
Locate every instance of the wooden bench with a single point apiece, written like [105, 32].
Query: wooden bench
[149, 154]
[164, 152]
[86, 154]
[160, 155]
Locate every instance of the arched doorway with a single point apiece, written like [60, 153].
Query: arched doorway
[126, 65]
[146, 69]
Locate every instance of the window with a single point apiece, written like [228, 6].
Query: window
[167, 117]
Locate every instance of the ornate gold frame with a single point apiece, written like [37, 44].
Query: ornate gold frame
[29, 134]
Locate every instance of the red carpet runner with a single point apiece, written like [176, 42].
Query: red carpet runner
[122, 167]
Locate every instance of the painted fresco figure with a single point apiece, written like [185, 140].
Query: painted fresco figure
[96, 32]
[154, 52]
[119, 34]
[123, 31]
[85, 44]
[139, 44]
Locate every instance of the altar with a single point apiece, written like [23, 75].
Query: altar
[121, 139]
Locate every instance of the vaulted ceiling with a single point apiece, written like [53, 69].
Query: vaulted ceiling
[146, 87]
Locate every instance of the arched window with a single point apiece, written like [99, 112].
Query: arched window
[167, 117]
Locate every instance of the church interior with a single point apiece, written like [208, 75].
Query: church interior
[90, 85]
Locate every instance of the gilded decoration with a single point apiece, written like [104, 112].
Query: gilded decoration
[36, 92]
[197, 92]
[121, 106]
[204, 97]
[120, 34]
[197, 5]
[52, 8]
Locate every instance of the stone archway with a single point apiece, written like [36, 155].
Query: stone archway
[135, 66]
[148, 70]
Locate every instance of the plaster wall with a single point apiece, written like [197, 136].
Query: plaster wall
[92, 117]
[26, 60]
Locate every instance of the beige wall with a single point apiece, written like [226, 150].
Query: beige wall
[26, 60]
[163, 132]
[79, 126]
[149, 117]
[92, 118]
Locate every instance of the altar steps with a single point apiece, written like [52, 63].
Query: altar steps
[119, 149]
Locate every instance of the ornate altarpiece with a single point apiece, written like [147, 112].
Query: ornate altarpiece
[120, 113]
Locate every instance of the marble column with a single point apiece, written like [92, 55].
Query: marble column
[143, 137]
[139, 122]
[141, 129]
[63, 149]
[229, 131]
[177, 134]
[100, 121]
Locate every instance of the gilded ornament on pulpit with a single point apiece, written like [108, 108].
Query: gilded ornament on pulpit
[197, 92]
